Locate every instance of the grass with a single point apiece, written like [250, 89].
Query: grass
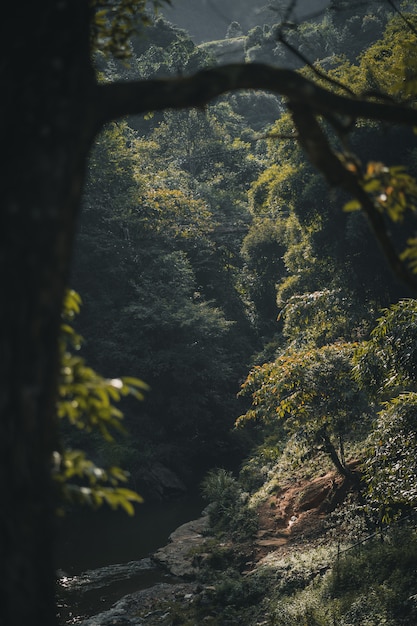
[372, 585]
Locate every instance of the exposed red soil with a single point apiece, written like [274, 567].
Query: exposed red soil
[296, 512]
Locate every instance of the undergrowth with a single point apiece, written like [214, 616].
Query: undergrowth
[355, 577]
[228, 508]
[373, 584]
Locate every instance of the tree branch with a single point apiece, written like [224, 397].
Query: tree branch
[130, 98]
[316, 145]
[308, 63]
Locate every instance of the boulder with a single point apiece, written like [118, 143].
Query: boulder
[161, 482]
[177, 557]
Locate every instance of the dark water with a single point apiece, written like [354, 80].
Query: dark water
[79, 597]
[89, 542]
[91, 539]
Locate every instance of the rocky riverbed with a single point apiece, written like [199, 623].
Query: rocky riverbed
[144, 607]
[172, 567]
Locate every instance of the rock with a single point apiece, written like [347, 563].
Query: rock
[177, 555]
[162, 482]
[104, 576]
[135, 609]
[138, 609]
[130, 610]
[112, 617]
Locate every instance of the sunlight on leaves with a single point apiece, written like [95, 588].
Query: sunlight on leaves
[86, 401]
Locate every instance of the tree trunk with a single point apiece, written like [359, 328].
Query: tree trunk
[46, 79]
[328, 447]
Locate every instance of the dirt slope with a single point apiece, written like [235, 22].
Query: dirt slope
[296, 512]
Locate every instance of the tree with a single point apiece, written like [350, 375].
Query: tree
[386, 365]
[159, 301]
[262, 250]
[390, 468]
[311, 391]
[52, 108]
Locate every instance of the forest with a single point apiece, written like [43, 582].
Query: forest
[239, 310]
[208, 248]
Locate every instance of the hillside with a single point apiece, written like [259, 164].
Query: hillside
[295, 567]
[240, 269]
[209, 19]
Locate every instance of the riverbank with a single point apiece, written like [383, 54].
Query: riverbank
[310, 560]
[206, 573]
[146, 607]
[173, 562]
[102, 556]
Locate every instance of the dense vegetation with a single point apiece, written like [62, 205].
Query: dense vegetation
[209, 248]
[204, 241]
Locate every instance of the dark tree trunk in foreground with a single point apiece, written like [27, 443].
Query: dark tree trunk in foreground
[44, 128]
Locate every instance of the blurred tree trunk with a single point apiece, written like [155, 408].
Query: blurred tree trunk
[45, 129]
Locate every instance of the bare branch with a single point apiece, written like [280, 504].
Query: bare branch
[290, 10]
[129, 98]
[315, 69]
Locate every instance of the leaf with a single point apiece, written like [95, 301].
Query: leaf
[373, 185]
[353, 205]
[135, 382]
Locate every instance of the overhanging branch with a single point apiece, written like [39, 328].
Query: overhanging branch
[129, 98]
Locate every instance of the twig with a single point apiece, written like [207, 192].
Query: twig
[402, 16]
[309, 64]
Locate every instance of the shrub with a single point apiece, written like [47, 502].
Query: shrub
[228, 509]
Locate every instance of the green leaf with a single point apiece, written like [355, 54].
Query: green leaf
[353, 205]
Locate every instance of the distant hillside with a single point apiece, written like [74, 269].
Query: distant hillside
[206, 20]
[338, 30]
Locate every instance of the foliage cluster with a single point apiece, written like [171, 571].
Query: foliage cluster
[228, 505]
[338, 377]
[115, 23]
[328, 304]
[207, 243]
[158, 263]
[87, 401]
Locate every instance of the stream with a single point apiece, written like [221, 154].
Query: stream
[103, 555]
